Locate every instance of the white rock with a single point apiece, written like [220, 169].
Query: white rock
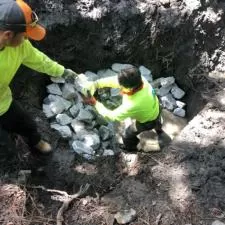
[145, 72]
[78, 126]
[68, 91]
[117, 67]
[177, 92]
[193, 4]
[164, 90]
[54, 89]
[180, 104]
[91, 76]
[85, 116]
[47, 111]
[217, 222]
[129, 159]
[125, 216]
[91, 140]
[108, 152]
[74, 110]
[58, 80]
[63, 119]
[106, 73]
[80, 148]
[64, 131]
[179, 112]
[167, 81]
[168, 102]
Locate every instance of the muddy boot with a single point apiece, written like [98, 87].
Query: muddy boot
[43, 147]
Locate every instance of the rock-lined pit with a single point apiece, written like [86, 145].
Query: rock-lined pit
[88, 133]
[184, 183]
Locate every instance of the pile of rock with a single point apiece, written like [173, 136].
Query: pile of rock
[88, 133]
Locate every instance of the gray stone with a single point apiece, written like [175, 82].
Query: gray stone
[47, 111]
[74, 110]
[146, 73]
[91, 76]
[117, 67]
[85, 116]
[81, 148]
[78, 126]
[156, 83]
[106, 73]
[91, 109]
[68, 91]
[58, 104]
[177, 92]
[63, 119]
[164, 90]
[125, 216]
[54, 89]
[179, 112]
[58, 80]
[104, 133]
[114, 92]
[64, 131]
[105, 144]
[217, 222]
[108, 152]
[180, 104]
[167, 81]
[168, 102]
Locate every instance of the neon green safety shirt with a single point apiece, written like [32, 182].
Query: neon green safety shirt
[10, 60]
[142, 105]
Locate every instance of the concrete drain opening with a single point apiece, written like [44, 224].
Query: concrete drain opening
[89, 134]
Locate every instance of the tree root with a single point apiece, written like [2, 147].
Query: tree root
[65, 198]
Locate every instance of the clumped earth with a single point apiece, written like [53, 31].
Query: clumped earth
[182, 184]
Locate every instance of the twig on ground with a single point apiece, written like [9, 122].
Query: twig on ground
[65, 198]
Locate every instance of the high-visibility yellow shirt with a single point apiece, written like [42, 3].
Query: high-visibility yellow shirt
[142, 106]
[10, 60]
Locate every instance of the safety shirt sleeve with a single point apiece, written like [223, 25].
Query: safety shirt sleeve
[118, 114]
[111, 82]
[37, 60]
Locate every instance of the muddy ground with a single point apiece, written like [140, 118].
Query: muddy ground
[182, 184]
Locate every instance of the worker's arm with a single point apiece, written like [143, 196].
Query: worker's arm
[92, 86]
[111, 82]
[37, 60]
[118, 114]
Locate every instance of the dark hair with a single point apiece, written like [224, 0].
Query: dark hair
[130, 77]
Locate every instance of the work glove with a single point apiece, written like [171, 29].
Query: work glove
[91, 87]
[89, 100]
[68, 74]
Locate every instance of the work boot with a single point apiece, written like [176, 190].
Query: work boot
[43, 147]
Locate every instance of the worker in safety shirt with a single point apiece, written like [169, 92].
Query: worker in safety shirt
[18, 23]
[139, 102]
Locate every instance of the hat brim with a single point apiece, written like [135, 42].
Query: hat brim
[36, 33]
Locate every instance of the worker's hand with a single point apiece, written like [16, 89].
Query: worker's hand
[68, 73]
[89, 100]
[91, 87]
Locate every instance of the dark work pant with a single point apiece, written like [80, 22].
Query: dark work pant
[130, 138]
[16, 120]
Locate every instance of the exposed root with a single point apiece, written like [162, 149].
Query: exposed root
[65, 198]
